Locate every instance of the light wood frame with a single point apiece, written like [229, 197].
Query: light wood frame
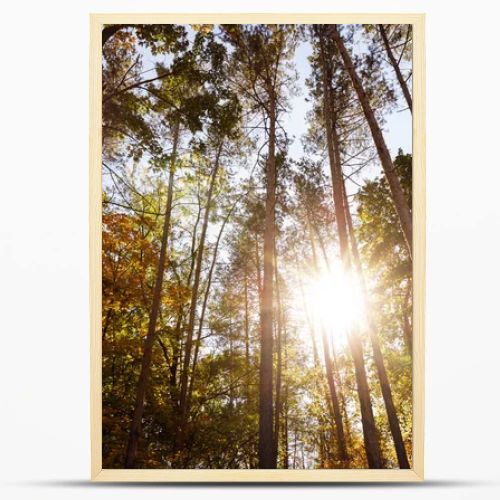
[258, 475]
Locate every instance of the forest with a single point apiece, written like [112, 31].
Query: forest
[257, 246]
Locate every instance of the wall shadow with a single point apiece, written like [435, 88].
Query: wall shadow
[429, 484]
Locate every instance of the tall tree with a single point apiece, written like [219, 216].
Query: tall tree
[377, 351]
[194, 303]
[309, 183]
[229, 373]
[135, 426]
[372, 447]
[395, 63]
[259, 56]
[279, 361]
[192, 93]
[400, 202]
[223, 115]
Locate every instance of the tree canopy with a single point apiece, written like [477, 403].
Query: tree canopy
[257, 282]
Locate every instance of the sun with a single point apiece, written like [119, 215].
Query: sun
[334, 301]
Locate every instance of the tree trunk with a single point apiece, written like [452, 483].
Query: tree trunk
[267, 458]
[370, 436]
[247, 320]
[336, 372]
[247, 337]
[309, 322]
[230, 366]
[395, 65]
[176, 350]
[258, 271]
[339, 426]
[285, 403]
[398, 197]
[279, 332]
[294, 462]
[337, 415]
[377, 352]
[192, 312]
[135, 427]
[407, 329]
[205, 303]
[321, 384]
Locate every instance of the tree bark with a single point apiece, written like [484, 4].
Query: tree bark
[258, 271]
[336, 373]
[247, 322]
[247, 339]
[176, 350]
[267, 458]
[398, 197]
[395, 65]
[279, 332]
[339, 426]
[135, 427]
[407, 328]
[370, 434]
[285, 403]
[294, 461]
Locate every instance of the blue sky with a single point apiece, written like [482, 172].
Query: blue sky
[397, 129]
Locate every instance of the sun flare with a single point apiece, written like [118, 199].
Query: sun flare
[334, 301]
[254, 305]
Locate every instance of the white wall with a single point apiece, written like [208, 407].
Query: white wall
[44, 442]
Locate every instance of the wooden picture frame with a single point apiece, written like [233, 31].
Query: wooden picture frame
[257, 475]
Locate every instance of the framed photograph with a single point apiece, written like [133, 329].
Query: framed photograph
[257, 247]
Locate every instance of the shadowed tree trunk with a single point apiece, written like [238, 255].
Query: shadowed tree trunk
[285, 402]
[279, 361]
[336, 370]
[176, 349]
[135, 427]
[395, 65]
[267, 457]
[258, 271]
[398, 197]
[407, 328]
[177, 346]
[294, 461]
[339, 427]
[370, 434]
[247, 335]
[377, 351]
